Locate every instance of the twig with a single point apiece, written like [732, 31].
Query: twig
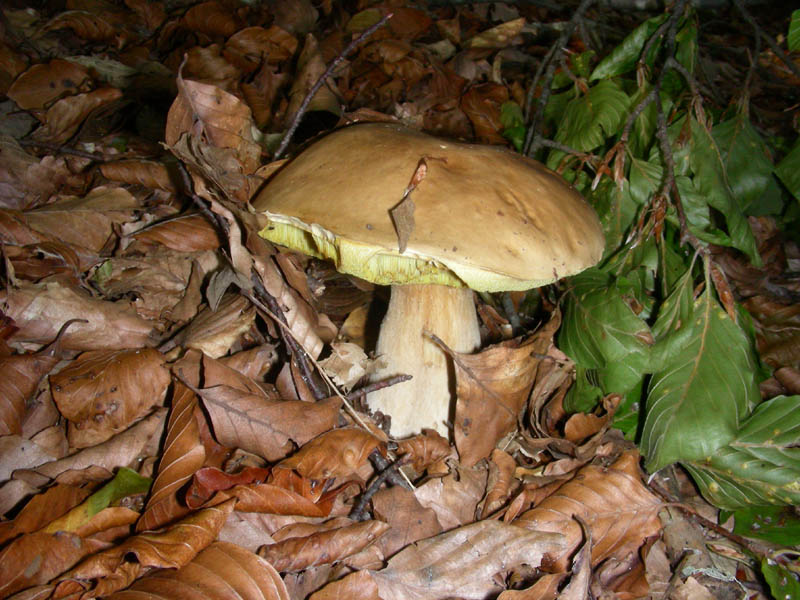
[767, 38]
[532, 141]
[388, 473]
[378, 385]
[296, 349]
[328, 72]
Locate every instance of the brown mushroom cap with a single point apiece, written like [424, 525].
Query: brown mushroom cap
[484, 217]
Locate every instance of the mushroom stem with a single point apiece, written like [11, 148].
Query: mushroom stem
[426, 400]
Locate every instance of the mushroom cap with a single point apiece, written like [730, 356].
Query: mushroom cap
[483, 217]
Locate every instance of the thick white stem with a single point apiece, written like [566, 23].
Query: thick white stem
[428, 399]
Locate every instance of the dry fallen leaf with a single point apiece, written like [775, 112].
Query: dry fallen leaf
[462, 562]
[220, 570]
[616, 506]
[102, 392]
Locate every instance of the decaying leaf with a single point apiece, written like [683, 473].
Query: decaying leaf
[461, 562]
[613, 502]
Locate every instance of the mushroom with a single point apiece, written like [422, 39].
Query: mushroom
[483, 219]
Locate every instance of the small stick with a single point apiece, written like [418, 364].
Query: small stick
[389, 473]
[328, 72]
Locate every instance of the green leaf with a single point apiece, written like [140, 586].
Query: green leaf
[761, 465]
[584, 394]
[746, 159]
[644, 126]
[794, 32]
[711, 182]
[778, 525]
[589, 119]
[513, 124]
[704, 384]
[782, 582]
[126, 482]
[788, 171]
[624, 57]
[616, 209]
[581, 63]
[599, 325]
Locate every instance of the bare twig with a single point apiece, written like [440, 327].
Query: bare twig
[378, 385]
[296, 349]
[767, 38]
[388, 473]
[532, 140]
[328, 72]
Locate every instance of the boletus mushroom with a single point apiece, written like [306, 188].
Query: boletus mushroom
[483, 218]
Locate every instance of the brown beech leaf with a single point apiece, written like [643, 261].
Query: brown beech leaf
[310, 67]
[545, 588]
[492, 394]
[158, 279]
[454, 498]
[212, 19]
[40, 310]
[497, 37]
[266, 427]
[83, 24]
[224, 120]
[356, 586]
[617, 507]
[42, 84]
[393, 505]
[222, 570]
[66, 115]
[777, 331]
[183, 454]
[185, 233]
[37, 261]
[35, 558]
[209, 480]
[85, 222]
[102, 392]
[501, 479]
[15, 230]
[150, 174]
[335, 454]
[119, 451]
[272, 499]
[174, 547]
[21, 376]
[207, 64]
[462, 562]
[249, 47]
[481, 104]
[42, 509]
[326, 547]
[214, 332]
[425, 449]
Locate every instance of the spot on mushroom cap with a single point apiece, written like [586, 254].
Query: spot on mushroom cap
[484, 217]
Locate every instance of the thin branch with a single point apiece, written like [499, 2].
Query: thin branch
[323, 78]
[296, 349]
[767, 38]
[532, 142]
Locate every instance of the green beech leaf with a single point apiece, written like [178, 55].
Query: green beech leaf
[703, 385]
[599, 325]
[746, 158]
[794, 32]
[781, 581]
[778, 525]
[589, 119]
[624, 57]
[760, 465]
[711, 182]
[616, 209]
[788, 171]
